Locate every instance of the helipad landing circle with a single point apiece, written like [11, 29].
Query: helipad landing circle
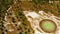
[48, 26]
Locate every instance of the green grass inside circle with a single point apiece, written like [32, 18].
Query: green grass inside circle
[48, 25]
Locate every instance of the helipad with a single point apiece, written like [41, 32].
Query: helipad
[48, 26]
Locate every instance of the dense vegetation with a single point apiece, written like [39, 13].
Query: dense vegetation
[4, 4]
[25, 26]
[53, 7]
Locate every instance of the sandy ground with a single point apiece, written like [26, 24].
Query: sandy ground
[34, 19]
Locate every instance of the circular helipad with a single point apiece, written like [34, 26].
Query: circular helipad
[48, 26]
